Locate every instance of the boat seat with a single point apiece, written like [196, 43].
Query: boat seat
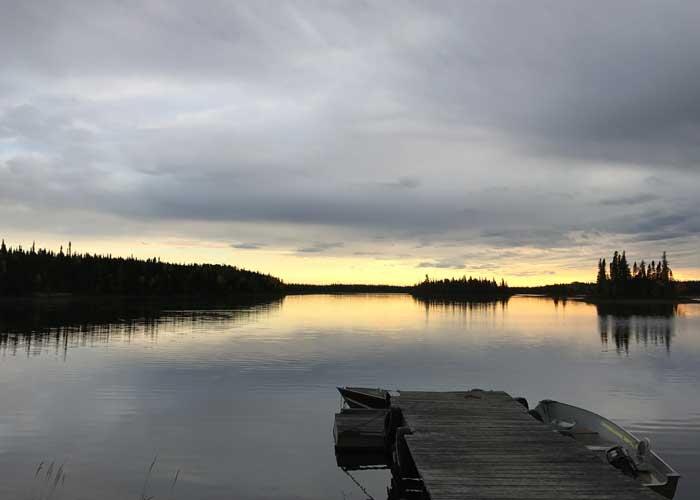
[597, 448]
[563, 425]
[582, 430]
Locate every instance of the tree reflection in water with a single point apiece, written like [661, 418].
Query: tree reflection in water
[644, 323]
[462, 306]
[35, 325]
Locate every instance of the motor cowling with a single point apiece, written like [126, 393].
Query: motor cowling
[620, 458]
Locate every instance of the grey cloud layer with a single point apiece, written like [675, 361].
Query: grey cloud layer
[495, 123]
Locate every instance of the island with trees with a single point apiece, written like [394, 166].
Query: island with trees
[462, 289]
[619, 280]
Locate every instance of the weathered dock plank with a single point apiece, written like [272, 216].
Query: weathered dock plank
[483, 445]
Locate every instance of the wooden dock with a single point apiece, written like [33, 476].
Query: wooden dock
[480, 445]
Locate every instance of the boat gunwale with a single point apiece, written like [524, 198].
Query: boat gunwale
[347, 393]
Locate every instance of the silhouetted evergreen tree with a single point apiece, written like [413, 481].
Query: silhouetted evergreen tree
[624, 268]
[602, 278]
[462, 288]
[665, 270]
[653, 281]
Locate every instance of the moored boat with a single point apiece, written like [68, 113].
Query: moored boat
[364, 397]
[619, 447]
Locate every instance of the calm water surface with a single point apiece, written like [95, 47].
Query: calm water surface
[241, 400]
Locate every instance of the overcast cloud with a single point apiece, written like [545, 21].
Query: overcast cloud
[449, 128]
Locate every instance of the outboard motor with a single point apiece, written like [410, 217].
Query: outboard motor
[523, 402]
[620, 458]
[536, 415]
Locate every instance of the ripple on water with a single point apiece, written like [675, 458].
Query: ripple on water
[218, 393]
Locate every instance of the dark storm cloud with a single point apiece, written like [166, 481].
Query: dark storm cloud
[458, 123]
[657, 227]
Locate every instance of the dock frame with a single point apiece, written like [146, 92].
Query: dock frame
[480, 445]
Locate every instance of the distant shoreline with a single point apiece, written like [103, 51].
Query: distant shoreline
[630, 301]
[345, 290]
[67, 296]
[620, 301]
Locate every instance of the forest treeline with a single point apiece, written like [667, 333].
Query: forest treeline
[300, 288]
[25, 272]
[574, 289]
[653, 280]
[461, 288]
[40, 271]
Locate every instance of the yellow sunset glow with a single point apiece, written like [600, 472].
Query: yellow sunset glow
[295, 267]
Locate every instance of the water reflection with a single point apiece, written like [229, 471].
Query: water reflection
[225, 391]
[560, 300]
[465, 309]
[461, 305]
[38, 326]
[643, 323]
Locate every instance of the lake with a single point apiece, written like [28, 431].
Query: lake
[240, 399]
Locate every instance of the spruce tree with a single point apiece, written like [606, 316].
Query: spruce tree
[624, 268]
[602, 279]
[614, 267]
[665, 270]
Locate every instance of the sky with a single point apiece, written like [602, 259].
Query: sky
[355, 141]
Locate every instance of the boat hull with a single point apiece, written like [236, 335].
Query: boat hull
[600, 434]
[363, 397]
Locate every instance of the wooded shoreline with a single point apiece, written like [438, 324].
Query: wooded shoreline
[41, 274]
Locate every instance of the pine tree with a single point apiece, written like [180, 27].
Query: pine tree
[602, 279]
[624, 268]
[665, 270]
[614, 267]
[643, 280]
